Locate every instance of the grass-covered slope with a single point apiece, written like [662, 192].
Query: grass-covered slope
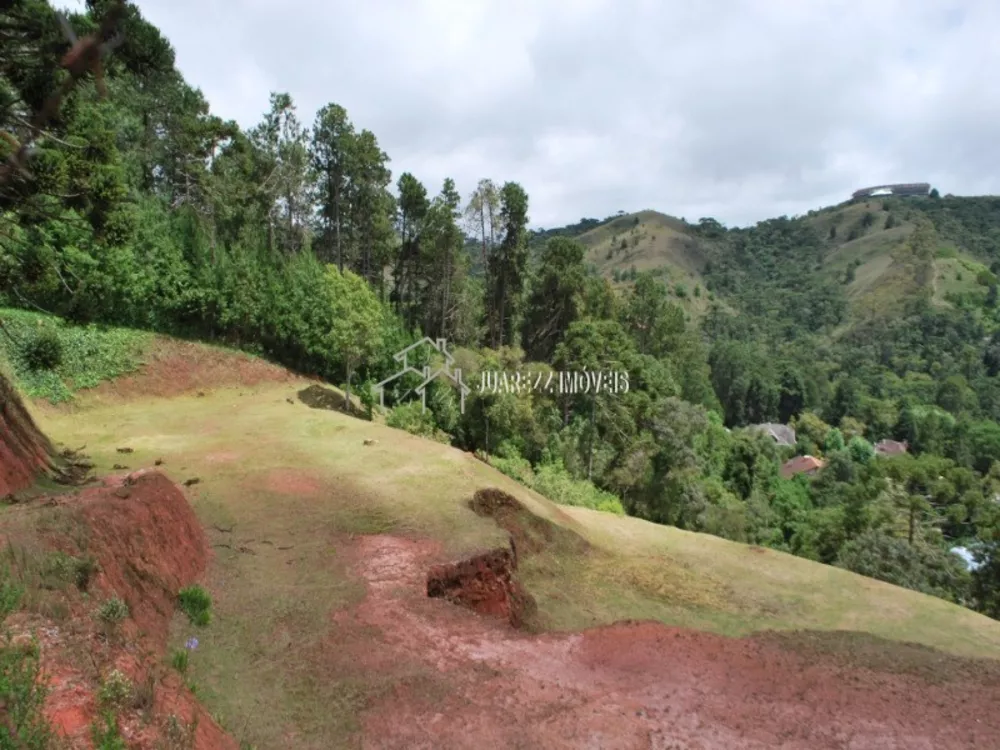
[269, 464]
[283, 487]
[52, 360]
[654, 242]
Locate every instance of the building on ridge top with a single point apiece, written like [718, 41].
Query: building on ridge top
[899, 188]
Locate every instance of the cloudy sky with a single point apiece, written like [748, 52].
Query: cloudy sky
[736, 109]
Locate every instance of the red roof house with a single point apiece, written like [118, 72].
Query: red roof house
[807, 465]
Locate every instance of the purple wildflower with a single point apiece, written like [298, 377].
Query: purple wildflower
[192, 643]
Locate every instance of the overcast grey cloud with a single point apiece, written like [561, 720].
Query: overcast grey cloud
[737, 109]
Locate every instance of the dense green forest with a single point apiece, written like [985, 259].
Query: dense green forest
[295, 240]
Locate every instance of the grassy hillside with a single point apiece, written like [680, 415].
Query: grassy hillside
[862, 243]
[283, 488]
[654, 242]
[647, 240]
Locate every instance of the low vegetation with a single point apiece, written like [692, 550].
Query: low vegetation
[22, 692]
[196, 603]
[51, 359]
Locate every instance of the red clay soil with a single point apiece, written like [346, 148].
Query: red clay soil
[148, 544]
[629, 685]
[174, 368]
[24, 450]
[485, 584]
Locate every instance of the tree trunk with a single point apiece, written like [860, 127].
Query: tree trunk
[347, 391]
[590, 447]
[482, 225]
[340, 252]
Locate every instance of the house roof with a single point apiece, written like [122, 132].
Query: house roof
[782, 434]
[801, 465]
[891, 447]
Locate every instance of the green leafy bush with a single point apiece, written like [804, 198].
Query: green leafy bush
[412, 418]
[196, 603]
[51, 359]
[554, 482]
[860, 450]
[517, 468]
[44, 351]
[920, 567]
[179, 660]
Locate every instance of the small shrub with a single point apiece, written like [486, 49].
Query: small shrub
[179, 734]
[22, 695]
[11, 594]
[179, 660]
[412, 418]
[517, 468]
[113, 611]
[44, 351]
[105, 733]
[116, 690]
[196, 603]
[75, 570]
[553, 481]
[366, 394]
[144, 693]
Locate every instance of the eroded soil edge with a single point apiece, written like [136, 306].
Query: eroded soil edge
[487, 582]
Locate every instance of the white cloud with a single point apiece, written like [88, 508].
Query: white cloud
[739, 109]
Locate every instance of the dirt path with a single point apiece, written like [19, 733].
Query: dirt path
[630, 685]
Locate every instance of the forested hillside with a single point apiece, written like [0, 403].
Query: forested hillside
[295, 240]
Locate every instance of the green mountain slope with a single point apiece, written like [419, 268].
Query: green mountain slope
[862, 248]
[647, 240]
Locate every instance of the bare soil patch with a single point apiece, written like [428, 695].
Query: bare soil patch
[24, 450]
[292, 482]
[485, 584]
[457, 679]
[317, 397]
[146, 544]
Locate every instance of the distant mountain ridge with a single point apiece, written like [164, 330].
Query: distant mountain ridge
[862, 248]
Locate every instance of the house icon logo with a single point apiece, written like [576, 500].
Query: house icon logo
[446, 370]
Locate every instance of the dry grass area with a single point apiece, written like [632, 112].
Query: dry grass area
[283, 487]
